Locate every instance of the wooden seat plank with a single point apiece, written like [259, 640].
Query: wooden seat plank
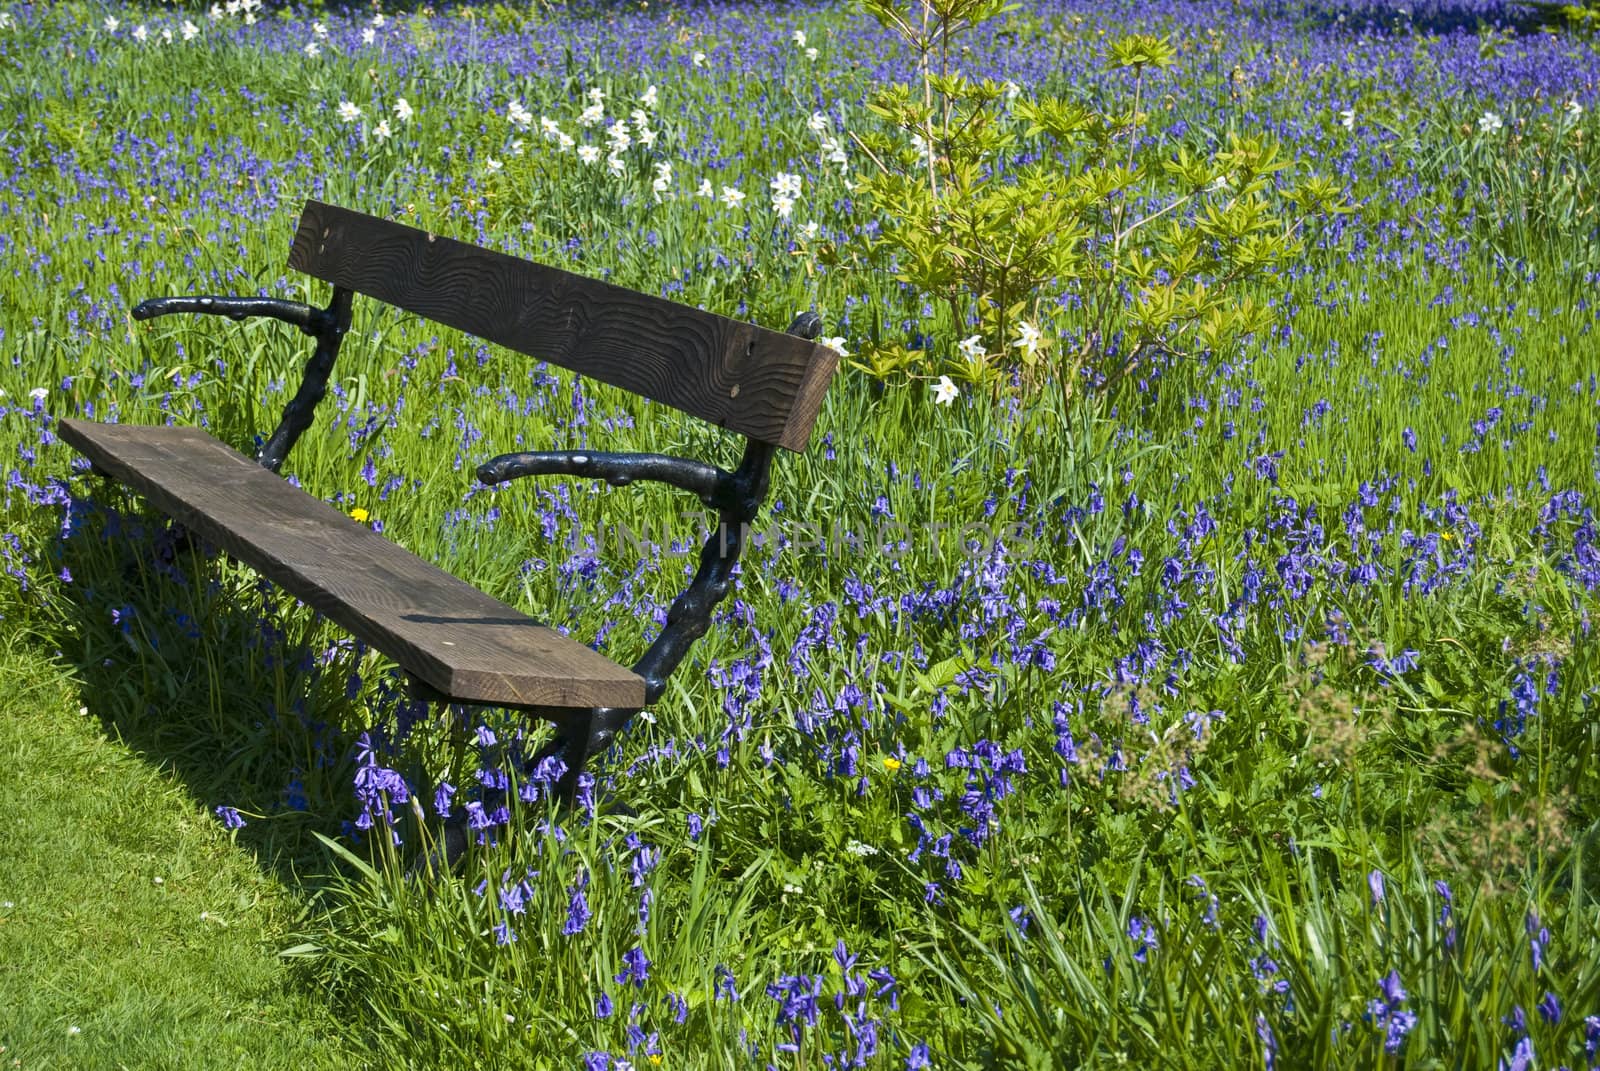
[762, 383]
[463, 643]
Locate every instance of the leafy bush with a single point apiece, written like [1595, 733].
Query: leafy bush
[1058, 237]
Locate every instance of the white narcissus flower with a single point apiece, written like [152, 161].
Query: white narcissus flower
[382, 131]
[698, 59]
[140, 34]
[1574, 110]
[348, 112]
[319, 30]
[809, 231]
[836, 344]
[833, 151]
[378, 20]
[368, 35]
[704, 189]
[403, 110]
[732, 196]
[1490, 123]
[783, 206]
[564, 141]
[971, 347]
[39, 394]
[491, 165]
[799, 38]
[597, 96]
[589, 153]
[549, 128]
[615, 164]
[946, 392]
[1012, 90]
[785, 184]
[818, 123]
[1028, 337]
[592, 114]
[648, 98]
[190, 30]
[518, 116]
[312, 49]
[811, 54]
[111, 24]
[1347, 118]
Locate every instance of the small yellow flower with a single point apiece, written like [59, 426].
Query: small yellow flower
[891, 764]
[655, 1059]
[359, 514]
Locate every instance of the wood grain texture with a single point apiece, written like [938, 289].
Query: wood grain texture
[461, 642]
[765, 384]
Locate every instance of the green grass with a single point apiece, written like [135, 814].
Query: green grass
[1215, 926]
[135, 934]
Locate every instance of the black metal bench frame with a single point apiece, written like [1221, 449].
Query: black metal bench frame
[781, 415]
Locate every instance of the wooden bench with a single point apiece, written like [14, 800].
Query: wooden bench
[456, 643]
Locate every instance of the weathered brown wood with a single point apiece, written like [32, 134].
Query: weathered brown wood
[463, 643]
[764, 384]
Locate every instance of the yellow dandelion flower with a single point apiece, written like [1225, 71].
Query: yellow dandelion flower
[359, 514]
[892, 764]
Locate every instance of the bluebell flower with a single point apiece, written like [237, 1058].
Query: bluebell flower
[723, 986]
[797, 998]
[1521, 1056]
[231, 819]
[1269, 1042]
[1538, 941]
[603, 1007]
[578, 913]
[1144, 934]
[1388, 1015]
[635, 968]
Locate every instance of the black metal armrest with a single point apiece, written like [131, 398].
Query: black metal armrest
[308, 318]
[706, 482]
[327, 326]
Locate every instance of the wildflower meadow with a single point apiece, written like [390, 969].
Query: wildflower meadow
[1174, 648]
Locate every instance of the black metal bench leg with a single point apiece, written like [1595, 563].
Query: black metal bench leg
[583, 740]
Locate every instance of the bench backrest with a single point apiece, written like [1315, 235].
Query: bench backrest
[761, 383]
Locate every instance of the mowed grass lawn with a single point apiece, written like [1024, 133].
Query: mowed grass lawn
[132, 932]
